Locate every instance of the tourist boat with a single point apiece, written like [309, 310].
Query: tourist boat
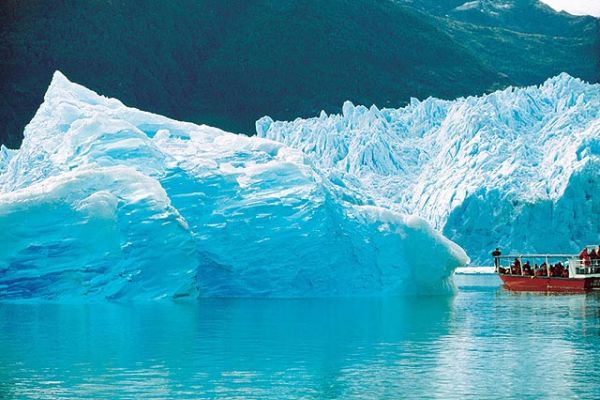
[577, 275]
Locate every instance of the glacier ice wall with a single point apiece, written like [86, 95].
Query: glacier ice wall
[105, 201]
[518, 168]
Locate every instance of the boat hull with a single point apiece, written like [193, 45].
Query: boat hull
[550, 284]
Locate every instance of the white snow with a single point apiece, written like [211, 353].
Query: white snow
[469, 5]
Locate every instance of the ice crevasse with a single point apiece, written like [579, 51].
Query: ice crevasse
[517, 168]
[103, 201]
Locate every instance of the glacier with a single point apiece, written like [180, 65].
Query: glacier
[103, 201]
[517, 168]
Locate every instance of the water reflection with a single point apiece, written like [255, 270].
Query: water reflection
[483, 342]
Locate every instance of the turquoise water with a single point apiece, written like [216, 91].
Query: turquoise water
[481, 343]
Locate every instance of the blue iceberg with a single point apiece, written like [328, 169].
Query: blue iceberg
[103, 201]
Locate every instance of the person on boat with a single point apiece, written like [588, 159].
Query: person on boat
[527, 268]
[558, 270]
[543, 269]
[595, 258]
[516, 270]
[539, 271]
[585, 257]
[496, 254]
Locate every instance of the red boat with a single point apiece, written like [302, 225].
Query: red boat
[565, 273]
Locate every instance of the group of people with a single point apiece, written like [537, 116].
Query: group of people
[556, 270]
[589, 258]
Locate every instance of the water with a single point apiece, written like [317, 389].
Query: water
[481, 343]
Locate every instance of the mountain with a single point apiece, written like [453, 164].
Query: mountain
[103, 201]
[524, 16]
[517, 168]
[228, 64]
[548, 42]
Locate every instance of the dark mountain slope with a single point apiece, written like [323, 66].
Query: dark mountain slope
[525, 16]
[525, 33]
[228, 63]
[314, 58]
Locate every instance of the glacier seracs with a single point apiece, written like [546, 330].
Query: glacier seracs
[517, 168]
[103, 201]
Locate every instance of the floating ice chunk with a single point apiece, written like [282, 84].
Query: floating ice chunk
[105, 201]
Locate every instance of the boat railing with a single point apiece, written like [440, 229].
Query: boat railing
[542, 255]
[585, 267]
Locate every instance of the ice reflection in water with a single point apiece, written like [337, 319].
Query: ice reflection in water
[483, 342]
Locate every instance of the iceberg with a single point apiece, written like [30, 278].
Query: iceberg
[517, 168]
[103, 201]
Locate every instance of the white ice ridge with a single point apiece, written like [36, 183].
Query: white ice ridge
[517, 168]
[105, 201]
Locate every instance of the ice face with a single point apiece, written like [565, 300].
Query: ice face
[105, 201]
[517, 168]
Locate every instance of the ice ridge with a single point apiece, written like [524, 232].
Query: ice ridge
[516, 168]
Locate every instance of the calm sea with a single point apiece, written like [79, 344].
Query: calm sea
[483, 342]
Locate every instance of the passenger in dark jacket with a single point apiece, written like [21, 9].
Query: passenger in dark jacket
[496, 253]
[526, 268]
[543, 269]
[516, 267]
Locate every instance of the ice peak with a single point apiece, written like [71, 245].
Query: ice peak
[61, 86]
[347, 109]
[563, 81]
[62, 90]
[58, 79]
